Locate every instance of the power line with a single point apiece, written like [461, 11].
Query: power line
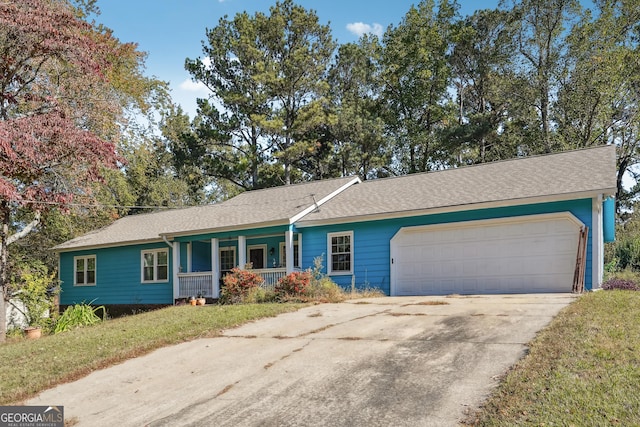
[94, 205]
[234, 205]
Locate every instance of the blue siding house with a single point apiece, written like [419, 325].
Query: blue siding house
[513, 226]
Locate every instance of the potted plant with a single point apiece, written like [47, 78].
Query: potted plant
[192, 300]
[201, 299]
[33, 332]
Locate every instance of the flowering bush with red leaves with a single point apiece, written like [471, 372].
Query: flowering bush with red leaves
[295, 284]
[238, 284]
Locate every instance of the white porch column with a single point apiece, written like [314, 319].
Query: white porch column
[300, 250]
[288, 248]
[597, 243]
[189, 257]
[176, 269]
[242, 251]
[215, 266]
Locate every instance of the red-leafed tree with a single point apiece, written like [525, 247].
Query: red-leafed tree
[57, 114]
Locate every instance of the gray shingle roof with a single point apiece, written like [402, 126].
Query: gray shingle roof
[587, 171]
[554, 175]
[273, 206]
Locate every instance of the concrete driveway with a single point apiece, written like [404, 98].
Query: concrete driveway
[401, 361]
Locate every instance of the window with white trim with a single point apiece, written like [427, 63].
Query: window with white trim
[283, 255]
[340, 250]
[84, 270]
[155, 265]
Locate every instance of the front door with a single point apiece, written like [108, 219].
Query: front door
[227, 260]
[257, 255]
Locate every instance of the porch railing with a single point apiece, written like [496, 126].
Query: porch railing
[271, 276]
[201, 283]
[193, 284]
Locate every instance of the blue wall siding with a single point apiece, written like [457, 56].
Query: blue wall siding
[118, 278]
[609, 219]
[200, 256]
[371, 244]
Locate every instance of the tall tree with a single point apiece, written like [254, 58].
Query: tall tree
[360, 143]
[541, 47]
[478, 67]
[298, 51]
[58, 114]
[267, 76]
[232, 134]
[416, 78]
[599, 101]
[191, 155]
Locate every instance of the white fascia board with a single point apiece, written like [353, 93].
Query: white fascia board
[325, 199]
[597, 243]
[455, 208]
[491, 221]
[238, 228]
[107, 245]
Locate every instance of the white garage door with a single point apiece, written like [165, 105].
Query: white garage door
[509, 255]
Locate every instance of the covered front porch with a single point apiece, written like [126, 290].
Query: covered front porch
[200, 262]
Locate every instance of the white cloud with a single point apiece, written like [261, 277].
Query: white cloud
[191, 86]
[360, 29]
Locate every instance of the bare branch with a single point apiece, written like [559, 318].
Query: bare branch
[26, 230]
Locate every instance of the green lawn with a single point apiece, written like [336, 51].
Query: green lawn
[28, 367]
[584, 369]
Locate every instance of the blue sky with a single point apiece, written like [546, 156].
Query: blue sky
[171, 30]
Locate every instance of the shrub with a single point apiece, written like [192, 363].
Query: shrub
[322, 288]
[35, 285]
[79, 315]
[621, 284]
[326, 290]
[627, 253]
[259, 295]
[294, 285]
[237, 285]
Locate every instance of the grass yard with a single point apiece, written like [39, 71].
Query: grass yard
[584, 369]
[30, 366]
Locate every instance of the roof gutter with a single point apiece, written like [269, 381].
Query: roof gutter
[164, 238]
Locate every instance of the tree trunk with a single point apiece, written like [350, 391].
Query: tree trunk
[544, 109]
[255, 158]
[4, 236]
[483, 140]
[286, 162]
[5, 241]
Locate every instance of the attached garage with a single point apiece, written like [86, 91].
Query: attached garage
[533, 253]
